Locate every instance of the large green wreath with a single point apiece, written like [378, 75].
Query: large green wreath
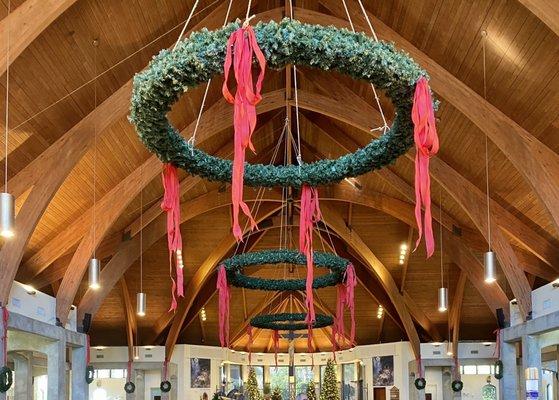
[202, 55]
[236, 264]
[289, 321]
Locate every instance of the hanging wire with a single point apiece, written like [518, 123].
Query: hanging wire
[6, 134]
[96, 45]
[142, 231]
[441, 234]
[186, 24]
[108, 69]
[384, 127]
[192, 141]
[484, 34]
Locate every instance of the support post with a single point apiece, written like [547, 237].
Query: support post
[531, 358]
[140, 376]
[23, 376]
[446, 382]
[80, 389]
[3, 396]
[56, 367]
[509, 385]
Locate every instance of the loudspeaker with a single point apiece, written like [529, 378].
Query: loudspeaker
[86, 323]
[501, 318]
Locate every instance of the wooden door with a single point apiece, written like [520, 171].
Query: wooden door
[379, 394]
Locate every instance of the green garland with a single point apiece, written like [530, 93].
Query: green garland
[201, 56]
[289, 321]
[236, 264]
[6, 379]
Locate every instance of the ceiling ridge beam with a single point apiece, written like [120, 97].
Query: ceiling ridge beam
[547, 11]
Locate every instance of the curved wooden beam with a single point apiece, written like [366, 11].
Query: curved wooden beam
[534, 160]
[26, 23]
[546, 10]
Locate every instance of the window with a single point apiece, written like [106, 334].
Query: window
[118, 373]
[279, 377]
[549, 391]
[259, 376]
[302, 377]
[236, 375]
[484, 369]
[102, 373]
[100, 394]
[470, 369]
[349, 384]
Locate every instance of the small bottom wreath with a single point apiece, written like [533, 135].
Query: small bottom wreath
[289, 321]
[165, 386]
[420, 383]
[89, 374]
[457, 385]
[6, 379]
[498, 370]
[129, 387]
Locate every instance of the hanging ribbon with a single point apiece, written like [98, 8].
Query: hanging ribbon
[497, 351]
[171, 206]
[87, 350]
[249, 333]
[456, 368]
[165, 369]
[427, 145]
[419, 367]
[275, 338]
[346, 299]
[129, 371]
[309, 215]
[338, 329]
[242, 43]
[5, 319]
[224, 300]
[310, 348]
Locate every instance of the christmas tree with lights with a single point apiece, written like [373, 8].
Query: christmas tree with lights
[251, 387]
[329, 389]
[311, 391]
[276, 394]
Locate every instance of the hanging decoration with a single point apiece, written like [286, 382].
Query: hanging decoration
[345, 299]
[250, 343]
[275, 338]
[289, 321]
[498, 364]
[420, 381]
[6, 374]
[457, 384]
[89, 370]
[171, 205]
[224, 300]
[243, 42]
[129, 386]
[165, 385]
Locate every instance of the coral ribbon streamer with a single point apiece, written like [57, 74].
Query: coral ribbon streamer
[165, 369]
[427, 145]
[224, 300]
[129, 371]
[87, 349]
[242, 43]
[275, 337]
[250, 339]
[310, 214]
[497, 352]
[419, 367]
[5, 318]
[346, 299]
[171, 205]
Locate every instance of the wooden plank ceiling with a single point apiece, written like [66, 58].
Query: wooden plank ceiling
[53, 86]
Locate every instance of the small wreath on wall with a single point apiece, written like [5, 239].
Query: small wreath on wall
[129, 387]
[420, 383]
[236, 264]
[498, 369]
[289, 321]
[199, 58]
[165, 386]
[89, 374]
[6, 379]
[457, 385]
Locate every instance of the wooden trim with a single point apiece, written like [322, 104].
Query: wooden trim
[454, 316]
[26, 23]
[546, 10]
[130, 317]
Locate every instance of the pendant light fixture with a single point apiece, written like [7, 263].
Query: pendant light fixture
[136, 352]
[443, 291]
[94, 262]
[490, 271]
[141, 298]
[449, 351]
[7, 211]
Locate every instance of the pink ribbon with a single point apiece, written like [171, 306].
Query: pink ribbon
[249, 333]
[243, 44]
[224, 300]
[419, 367]
[275, 338]
[129, 371]
[165, 369]
[171, 206]
[427, 145]
[310, 214]
[87, 349]
[497, 351]
[5, 319]
[346, 299]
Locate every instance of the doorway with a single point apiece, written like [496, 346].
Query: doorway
[379, 393]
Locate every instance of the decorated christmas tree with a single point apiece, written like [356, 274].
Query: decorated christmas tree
[276, 394]
[329, 389]
[311, 392]
[251, 387]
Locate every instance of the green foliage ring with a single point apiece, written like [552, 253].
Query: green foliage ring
[498, 369]
[420, 383]
[289, 321]
[236, 264]
[89, 374]
[165, 386]
[129, 387]
[457, 385]
[201, 56]
[6, 379]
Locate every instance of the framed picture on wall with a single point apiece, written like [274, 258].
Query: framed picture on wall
[200, 373]
[383, 371]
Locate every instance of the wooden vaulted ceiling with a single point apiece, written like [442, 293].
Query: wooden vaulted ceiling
[52, 151]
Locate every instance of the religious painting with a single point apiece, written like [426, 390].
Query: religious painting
[383, 371]
[200, 373]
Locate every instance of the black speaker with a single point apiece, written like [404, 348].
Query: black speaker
[86, 323]
[501, 318]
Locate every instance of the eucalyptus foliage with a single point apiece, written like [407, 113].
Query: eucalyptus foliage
[236, 265]
[201, 57]
[289, 321]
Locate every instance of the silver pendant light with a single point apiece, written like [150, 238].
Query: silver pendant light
[443, 291]
[7, 211]
[449, 350]
[136, 352]
[443, 299]
[141, 297]
[94, 273]
[141, 304]
[490, 270]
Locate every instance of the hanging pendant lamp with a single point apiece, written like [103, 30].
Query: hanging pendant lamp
[443, 291]
[141, 304]
[443, 299]
[94, 273]
[141, 297]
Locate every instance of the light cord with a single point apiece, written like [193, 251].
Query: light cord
[95, 44]
[484, 34]
[441, 234]
[142, 230]
[6, 135]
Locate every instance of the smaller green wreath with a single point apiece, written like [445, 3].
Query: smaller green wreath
[420, 383]
[165, 386]
[498, 370]
[89, 374]
[457, 385]
[129, 387]
[236, 264]
[6, 379]
[289, 321]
